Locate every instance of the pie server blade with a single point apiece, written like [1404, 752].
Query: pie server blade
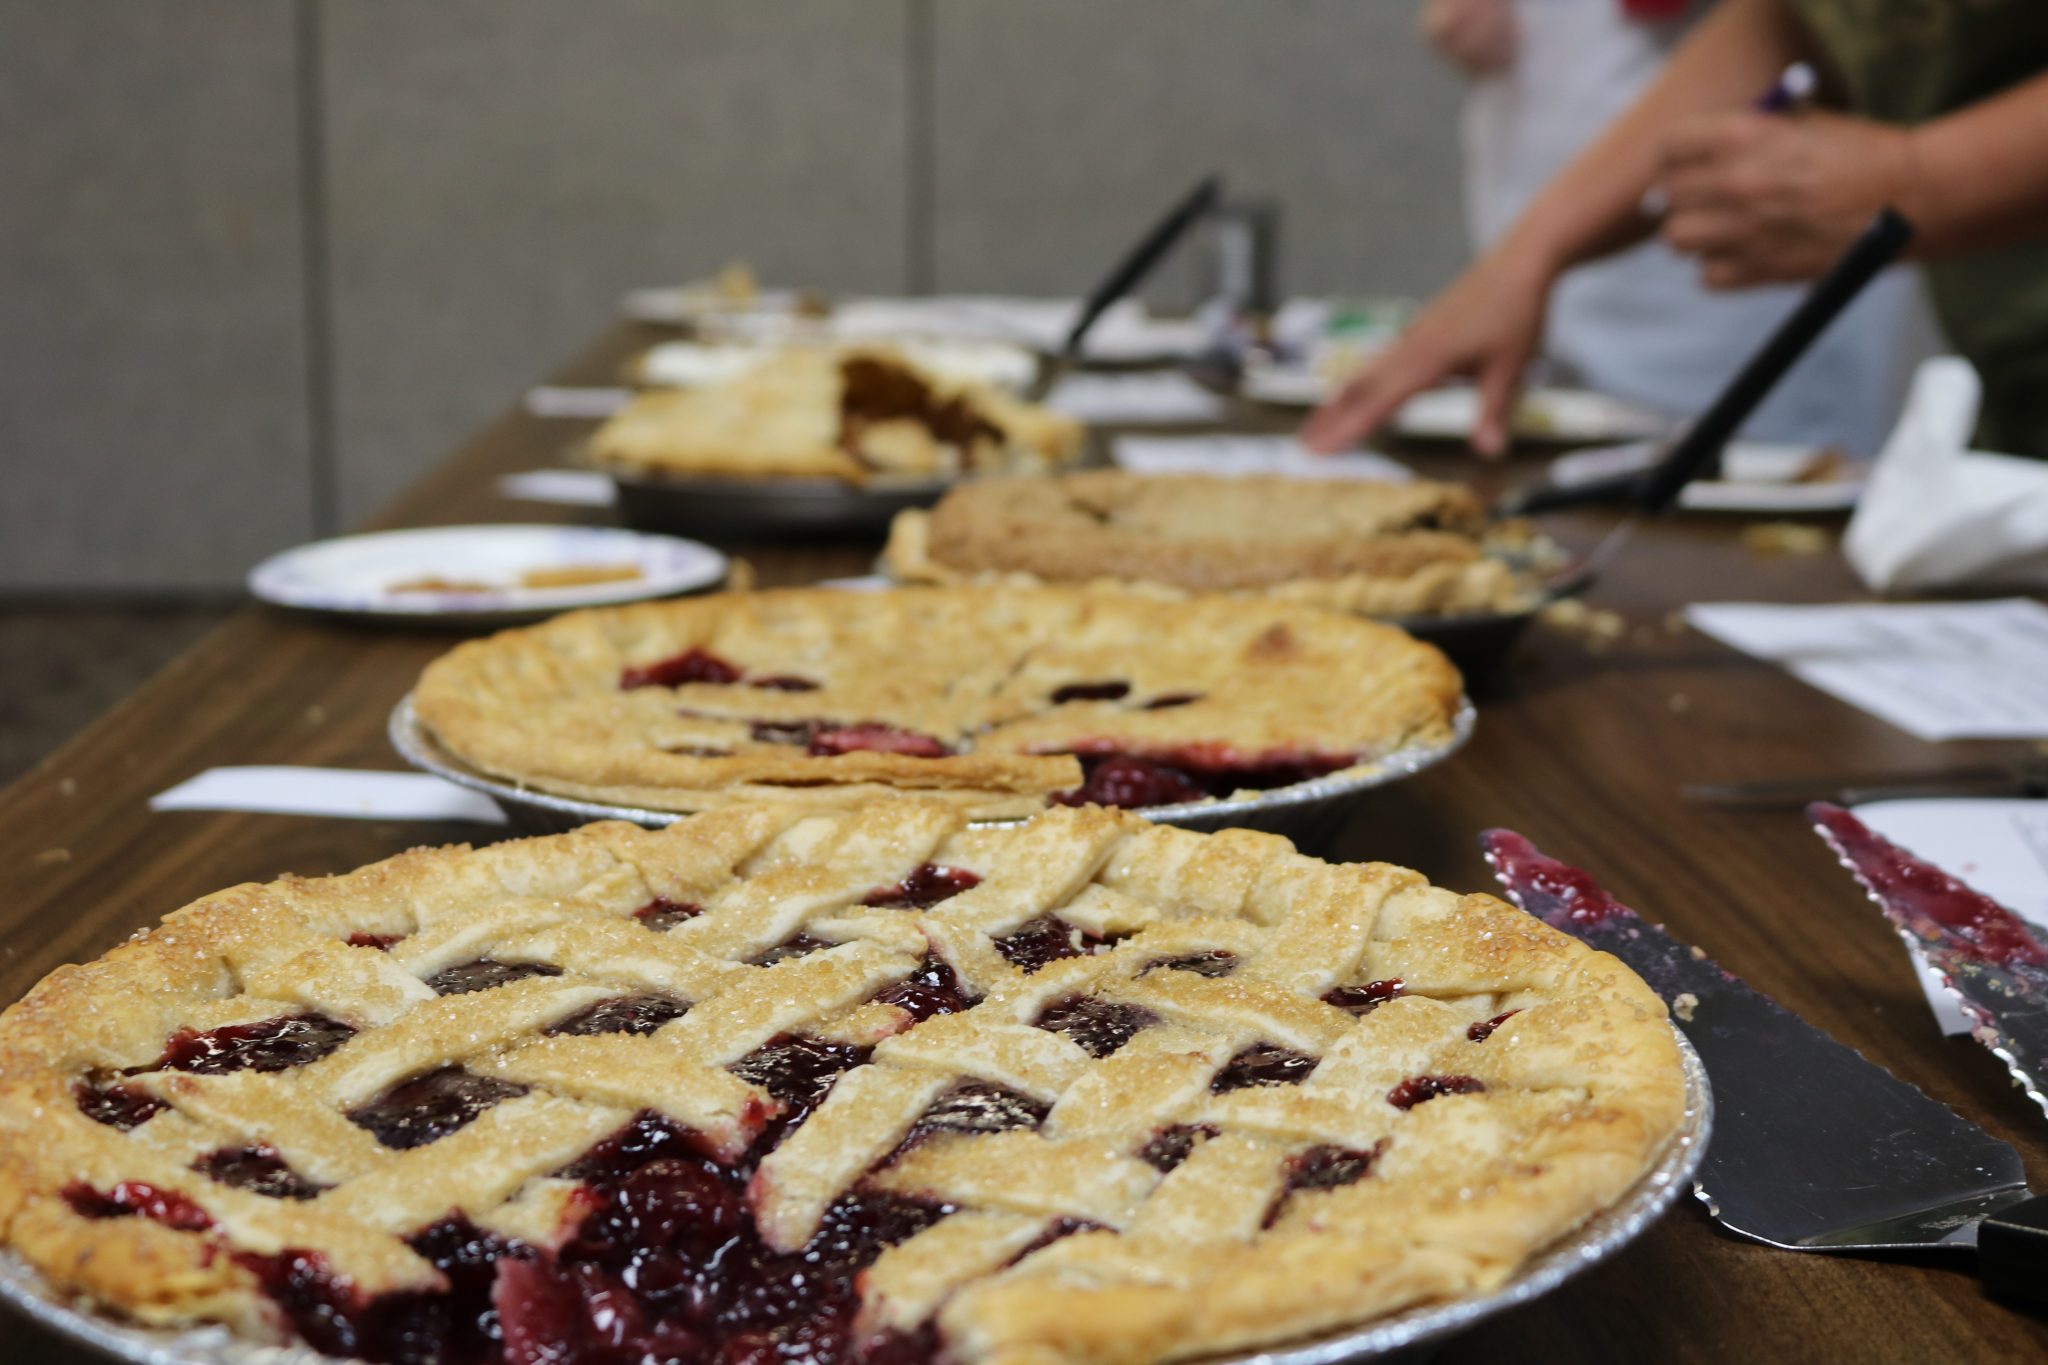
[1814, 1148]
[1983, 952]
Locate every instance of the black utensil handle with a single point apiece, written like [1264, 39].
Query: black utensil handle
[1136, 265]
[1873, 250]
[1550, 497]
[2012, 1251]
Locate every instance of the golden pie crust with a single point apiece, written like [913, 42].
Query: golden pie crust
[1261, 684]
[853, 414]
[1562, 1106]
[1379, 549]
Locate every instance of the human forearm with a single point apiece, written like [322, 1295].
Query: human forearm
[1593, 206]
[1978, 178]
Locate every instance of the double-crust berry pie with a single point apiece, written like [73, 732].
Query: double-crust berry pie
[996, 699]
[1380, 549]
[782, 1086]
[839, 414]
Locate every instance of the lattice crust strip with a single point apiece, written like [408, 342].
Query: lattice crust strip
[1190, 1092]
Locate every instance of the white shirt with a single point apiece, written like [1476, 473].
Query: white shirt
[1639, 325]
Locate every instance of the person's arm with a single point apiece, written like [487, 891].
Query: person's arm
[1488, 323]
[1762, 199]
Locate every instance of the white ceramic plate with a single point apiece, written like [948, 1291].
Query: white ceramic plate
[1565, 416]
[692, 364]
[681, 304]
[355, 575]
[1759, 477]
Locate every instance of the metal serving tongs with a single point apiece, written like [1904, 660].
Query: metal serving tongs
[1129, 272]
[1652, 491]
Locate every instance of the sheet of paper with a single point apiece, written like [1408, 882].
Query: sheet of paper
[1942, 670]
[1158, 397]
[1998, 846]
[550, 400]
[1241, 455]
[345, 792]
[567, 487]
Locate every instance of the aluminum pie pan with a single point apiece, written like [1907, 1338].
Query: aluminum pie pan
[1401, 1334]
[1299, 807]
[729, 505]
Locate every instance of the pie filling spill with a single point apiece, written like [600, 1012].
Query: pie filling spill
[1363, 1000]
[663, 914]
[926, 886]
[1098, 1027]
[1263, 1064]
[1193, 772]
[267, 1045]
[1417, 1089]
[427, 1108]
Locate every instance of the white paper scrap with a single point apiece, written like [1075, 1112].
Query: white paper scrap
[567, 487]
[1240, 455]
[1940, 670]
[345, 792]
[1158, 397]
[550, 400]
[1998, 845]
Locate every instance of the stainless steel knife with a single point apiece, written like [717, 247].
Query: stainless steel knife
[1814, 1148]
[1985, 954]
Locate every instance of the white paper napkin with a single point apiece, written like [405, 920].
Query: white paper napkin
[1235, 456]
[555, 400]
[1937, 514]
[345, 792]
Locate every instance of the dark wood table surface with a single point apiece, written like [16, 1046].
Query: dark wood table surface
[1581, 748]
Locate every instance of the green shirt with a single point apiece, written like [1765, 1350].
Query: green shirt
[1909, 61]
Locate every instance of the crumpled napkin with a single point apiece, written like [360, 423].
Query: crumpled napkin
[1937, 514]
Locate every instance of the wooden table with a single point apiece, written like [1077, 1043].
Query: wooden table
[1582, 749]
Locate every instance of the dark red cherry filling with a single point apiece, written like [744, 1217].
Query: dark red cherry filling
[640, 1014]
[784, 731]
[381, 942]
[932, 989]
[1120, 780]
[925, 887]
[1363, 1000]
[648, 1137]
[134, 1199]
[267, 1045]
[972, 1107]
[1166, 701]
[662, 914]
[1214, 963]
[1171, 1146]
[1090, 691]
[798, 1071]
[1263, 1064]
[799, 946]
[873, 737]
[1479, 1033]
[1324, 1167]
[1420, 1089]
[428, 1108]
[485, 974]
[693, 665]
[1036, 942]
[259, 1170]
[783, 682]
[1098, 1027]
[117, 1106]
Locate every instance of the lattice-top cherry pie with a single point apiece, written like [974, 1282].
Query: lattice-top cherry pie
[776, 1086]
[1382, 549]
[996, 699]
[841, 414]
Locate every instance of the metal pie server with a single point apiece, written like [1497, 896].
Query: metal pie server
[1814, 1148]
[1986, 955]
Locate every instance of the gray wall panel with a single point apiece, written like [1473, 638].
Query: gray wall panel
[1061, 125]
[152, 366]
[500, 170]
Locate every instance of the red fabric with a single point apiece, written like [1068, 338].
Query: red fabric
[1647, 10]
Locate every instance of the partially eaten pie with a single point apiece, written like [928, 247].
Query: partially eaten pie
[818, 412]
[1380, 549]
[998, 700]
[773, 1086]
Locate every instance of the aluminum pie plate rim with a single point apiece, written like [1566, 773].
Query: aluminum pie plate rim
[1591, 1242]
[417, 745]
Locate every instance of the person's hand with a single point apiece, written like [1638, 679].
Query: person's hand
[1485, 327]
[1476, 36]
[1766, 198]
